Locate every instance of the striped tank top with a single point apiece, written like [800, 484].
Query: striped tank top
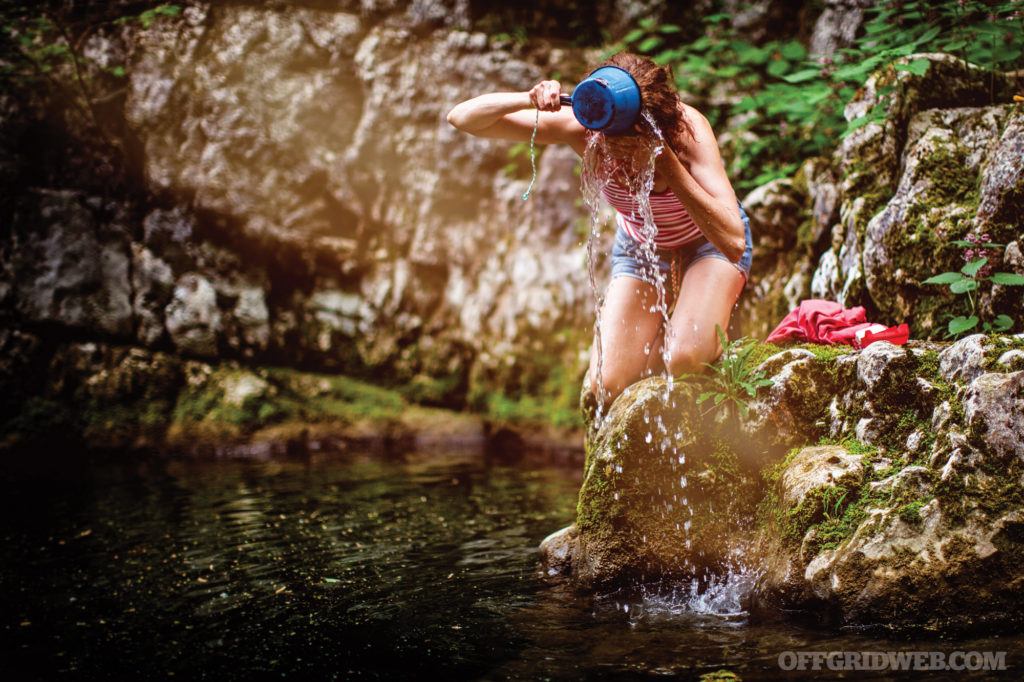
[674, 225]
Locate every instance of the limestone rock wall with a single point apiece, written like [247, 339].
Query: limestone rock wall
[869, 225]
[299, 198]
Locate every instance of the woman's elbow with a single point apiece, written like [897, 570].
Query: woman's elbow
[454, 118]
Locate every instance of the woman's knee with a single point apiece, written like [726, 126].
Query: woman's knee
[689, 357]
[614, 379]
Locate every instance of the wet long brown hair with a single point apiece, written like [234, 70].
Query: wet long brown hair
[658, 93]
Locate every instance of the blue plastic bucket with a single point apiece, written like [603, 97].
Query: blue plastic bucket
[607, 100]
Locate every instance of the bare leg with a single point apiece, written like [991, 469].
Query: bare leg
[707, 294]
[627, 325]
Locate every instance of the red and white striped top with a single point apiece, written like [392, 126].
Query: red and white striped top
[674, 225]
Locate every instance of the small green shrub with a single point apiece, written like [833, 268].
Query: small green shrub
[970, 278]
[734, 378]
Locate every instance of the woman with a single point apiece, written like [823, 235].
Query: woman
[703, 242]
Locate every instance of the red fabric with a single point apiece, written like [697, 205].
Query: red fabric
[821, 321]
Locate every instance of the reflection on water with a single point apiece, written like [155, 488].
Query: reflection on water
[339, 569]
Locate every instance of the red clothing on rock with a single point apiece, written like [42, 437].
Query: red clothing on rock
[822, 321]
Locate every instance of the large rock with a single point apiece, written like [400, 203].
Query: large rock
[791, 219]
[283, 129]
[193, 318]
[994, 412]
[69, 263]
[660, 496]
[939, 166]
[837, 25]
[912, 550]
[897, 508]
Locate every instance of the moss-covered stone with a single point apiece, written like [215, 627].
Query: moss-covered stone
[661, 490]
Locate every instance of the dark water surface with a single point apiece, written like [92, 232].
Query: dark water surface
[351, 567]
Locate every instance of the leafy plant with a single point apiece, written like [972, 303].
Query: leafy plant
[832, 499]
[977, 251]
[788, 105]
[518, 165]
[733, 377]
[42, 52]
[150, 15]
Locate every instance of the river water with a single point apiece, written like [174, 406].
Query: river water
[352, 566]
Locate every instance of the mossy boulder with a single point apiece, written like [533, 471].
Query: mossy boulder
[898, 506]
[664, 494]
[108, 397]
[896, 549]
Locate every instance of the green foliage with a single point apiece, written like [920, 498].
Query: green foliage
[149, 16]
[793, 104]
[41, 52]
[832, 502]
[851, 445]
[518, 165]
[734, 378]
[970, 279]
[517, 35]
[553, 400]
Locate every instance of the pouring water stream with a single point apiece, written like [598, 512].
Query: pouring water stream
[719, 598]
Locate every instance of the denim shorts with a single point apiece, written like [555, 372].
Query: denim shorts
[629, 260]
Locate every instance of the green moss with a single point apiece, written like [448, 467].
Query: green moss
[995, 345]
[720, 676]
[105, 423]
[833, 531]
[833, 511]
[724, 462]
[827, 352]
[911, 512]
[597, 504]
[531, 409]
[862, 182]
[805, 233]
[922, 247]
[542, 389]
[40, 419]
[289, 395]
[944, 167]
[428, 390]
[850, 444]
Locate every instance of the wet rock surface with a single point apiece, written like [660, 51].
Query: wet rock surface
[905, 515]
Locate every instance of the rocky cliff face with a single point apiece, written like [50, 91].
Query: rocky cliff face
[869, 225]
[293, 195]
[304, 202]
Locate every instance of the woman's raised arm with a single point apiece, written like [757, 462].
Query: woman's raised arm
[504, 115]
